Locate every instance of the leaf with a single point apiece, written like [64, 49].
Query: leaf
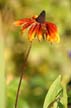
[64, 97]
[60, 105]
[53, 92]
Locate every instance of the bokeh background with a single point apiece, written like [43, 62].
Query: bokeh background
[46, 61]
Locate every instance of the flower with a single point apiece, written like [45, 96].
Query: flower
[39, 27]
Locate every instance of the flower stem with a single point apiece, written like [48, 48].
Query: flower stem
[21, 76]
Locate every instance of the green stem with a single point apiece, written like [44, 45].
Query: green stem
[24, 66]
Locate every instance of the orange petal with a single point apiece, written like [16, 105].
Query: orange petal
[53, 38]
[52, 32]
[22, 21]
[57, 38]
[32, 32]
[51, 27]
[35, 16]
[39, 32]
[26, 25]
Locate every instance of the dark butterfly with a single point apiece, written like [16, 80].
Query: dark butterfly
[41, 17]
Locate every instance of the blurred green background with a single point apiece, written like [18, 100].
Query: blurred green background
[46, 61]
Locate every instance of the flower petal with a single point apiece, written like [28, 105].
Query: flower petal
[22, 21]
[32, 32]
[39, 32]
[26, 25]
[51, 27]
[53, 38]
[52, 32]
[34, 17]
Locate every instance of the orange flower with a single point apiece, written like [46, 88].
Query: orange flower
[39, 27]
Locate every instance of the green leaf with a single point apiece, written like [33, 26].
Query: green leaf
[60, 105]
[64, 99]
[53, 92]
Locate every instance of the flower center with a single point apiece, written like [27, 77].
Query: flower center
[41, 17]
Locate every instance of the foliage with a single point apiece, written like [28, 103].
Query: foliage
[56, 96]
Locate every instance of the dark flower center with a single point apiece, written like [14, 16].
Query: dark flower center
[41, 17]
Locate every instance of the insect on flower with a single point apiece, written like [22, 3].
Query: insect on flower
[39, 27]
